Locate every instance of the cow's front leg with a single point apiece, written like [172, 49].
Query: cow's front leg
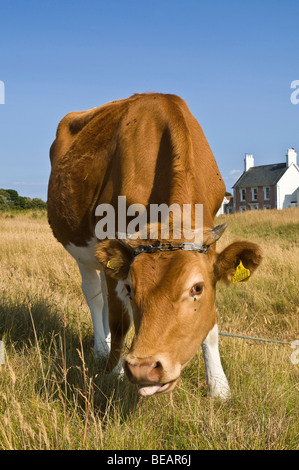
[216, 379]
[119, 322]
[105, 312]
[92, 289]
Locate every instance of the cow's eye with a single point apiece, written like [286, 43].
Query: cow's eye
[196, 289]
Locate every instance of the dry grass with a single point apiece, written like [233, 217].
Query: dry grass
[54, 395]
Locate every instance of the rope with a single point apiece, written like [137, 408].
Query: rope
[256, 339]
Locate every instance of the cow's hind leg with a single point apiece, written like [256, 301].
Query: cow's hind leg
[95, 298]
[119, 323]
[216, 379]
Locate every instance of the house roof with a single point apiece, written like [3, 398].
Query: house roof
[264, 175]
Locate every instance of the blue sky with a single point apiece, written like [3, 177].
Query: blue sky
[232, 61]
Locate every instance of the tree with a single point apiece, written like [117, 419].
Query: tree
[4, 205]
[10, 199]
[37, 203]
[13, 196]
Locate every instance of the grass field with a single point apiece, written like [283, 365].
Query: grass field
[54, 395]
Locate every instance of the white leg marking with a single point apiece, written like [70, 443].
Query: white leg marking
[105, 308]
[118, 369]
[91, 287]
[95, 291]
[96, 294]
[216, 379]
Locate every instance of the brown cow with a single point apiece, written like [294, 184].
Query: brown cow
[150, 149]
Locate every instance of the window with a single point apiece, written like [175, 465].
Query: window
[242, 208]
[267, 206]
[242, 194]
[266, 193]
[254, 194]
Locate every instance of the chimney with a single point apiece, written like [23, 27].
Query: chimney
[291, 157]
[248, 162]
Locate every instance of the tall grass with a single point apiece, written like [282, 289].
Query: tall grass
[55, 395]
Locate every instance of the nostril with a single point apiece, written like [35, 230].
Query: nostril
[156, 373]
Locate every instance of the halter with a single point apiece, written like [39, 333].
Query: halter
[168, 246]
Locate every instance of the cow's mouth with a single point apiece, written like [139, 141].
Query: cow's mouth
[149, 390]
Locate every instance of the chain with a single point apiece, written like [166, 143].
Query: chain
[168, 246]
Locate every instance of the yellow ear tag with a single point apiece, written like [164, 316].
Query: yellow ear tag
[111, 266]
[241, 274]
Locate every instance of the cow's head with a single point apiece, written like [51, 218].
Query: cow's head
[173, 301]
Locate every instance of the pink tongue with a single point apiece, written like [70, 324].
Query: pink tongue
[148, 391]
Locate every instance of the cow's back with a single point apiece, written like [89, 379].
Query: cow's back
[148, 148]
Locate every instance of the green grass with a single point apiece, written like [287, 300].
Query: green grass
[54, 395]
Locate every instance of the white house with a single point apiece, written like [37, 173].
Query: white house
[273, 186]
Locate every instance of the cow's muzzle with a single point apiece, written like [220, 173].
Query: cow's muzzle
[150, 374]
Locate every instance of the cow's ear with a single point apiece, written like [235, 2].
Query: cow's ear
[116, 257]
[227, 261]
